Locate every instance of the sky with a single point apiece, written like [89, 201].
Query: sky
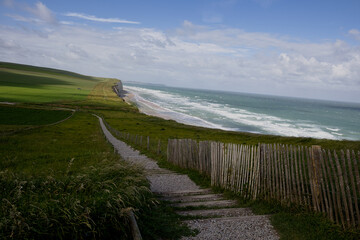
[307, 49]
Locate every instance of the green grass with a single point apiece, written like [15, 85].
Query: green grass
[67, 177]
[30, 116]
[49, 149]
[22, 83]
[64, 181]
[136, 123]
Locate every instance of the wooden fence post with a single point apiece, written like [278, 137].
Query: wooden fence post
[315, 178]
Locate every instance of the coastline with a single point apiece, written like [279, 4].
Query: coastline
[190, 109]
[153, 109]
[127, 97]
[130, 99]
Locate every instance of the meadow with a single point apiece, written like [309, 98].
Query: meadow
[66, 176]
[23, 83]
[64, 181]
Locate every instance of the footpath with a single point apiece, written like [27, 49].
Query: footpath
[218, 218]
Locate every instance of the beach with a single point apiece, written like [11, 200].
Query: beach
[261, 114]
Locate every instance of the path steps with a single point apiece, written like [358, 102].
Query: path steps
[212, 215]
[219, 218]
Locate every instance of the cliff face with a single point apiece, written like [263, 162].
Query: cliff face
[118, 89]
[119, 86]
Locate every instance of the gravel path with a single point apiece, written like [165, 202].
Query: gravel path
[226, 223]
[161, 180]
[244, 228]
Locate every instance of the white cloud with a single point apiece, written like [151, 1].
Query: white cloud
[21, 18]
[42, 12]
[39, 12]
[97, 19]
[355, 34]
[193, 56]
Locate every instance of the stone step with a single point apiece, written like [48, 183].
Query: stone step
[158, 171]
[184, 193]
[243, 228]
[195, 198]
[215, 213]
[219, 203]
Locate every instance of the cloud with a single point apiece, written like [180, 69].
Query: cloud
[39, 12]
[355, 34]
[20, 18]
[194, 56]
[42, 12]
[97, 19]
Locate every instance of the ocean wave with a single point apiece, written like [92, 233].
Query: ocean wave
[201, 112]
[154, 109]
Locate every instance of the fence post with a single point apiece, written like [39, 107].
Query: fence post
[148, 143]
[159, 145]
[315, 178]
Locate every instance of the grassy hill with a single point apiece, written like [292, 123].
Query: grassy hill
[24, 83]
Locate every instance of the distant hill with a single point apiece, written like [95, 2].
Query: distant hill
[25, 83]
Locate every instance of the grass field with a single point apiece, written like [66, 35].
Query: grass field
[67, 177]
[30, 116]
[64, 181]
[22, 83]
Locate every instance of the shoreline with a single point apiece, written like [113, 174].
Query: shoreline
[130, 99]
[157, 109]
[152, 109]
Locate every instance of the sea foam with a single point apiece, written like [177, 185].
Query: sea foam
[203, 112]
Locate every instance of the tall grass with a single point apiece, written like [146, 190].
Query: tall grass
[65, 182]
[92, 204]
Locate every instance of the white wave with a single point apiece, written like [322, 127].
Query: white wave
[184, 108]
[333, 129]
[338, 134]
[151, 108]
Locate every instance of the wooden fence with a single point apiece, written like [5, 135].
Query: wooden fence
[320, 180]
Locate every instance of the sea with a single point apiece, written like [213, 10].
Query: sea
[253, 113]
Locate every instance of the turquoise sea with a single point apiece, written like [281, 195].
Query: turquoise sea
[250, 112]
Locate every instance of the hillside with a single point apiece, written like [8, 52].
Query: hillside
[24, 83]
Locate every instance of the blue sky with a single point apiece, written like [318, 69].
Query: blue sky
[304, 48]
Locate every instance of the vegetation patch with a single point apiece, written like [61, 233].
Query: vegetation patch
[30, 116]
[23, 83]
[64, 181]
[87, 205]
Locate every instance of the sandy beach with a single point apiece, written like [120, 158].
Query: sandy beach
[144, 106]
